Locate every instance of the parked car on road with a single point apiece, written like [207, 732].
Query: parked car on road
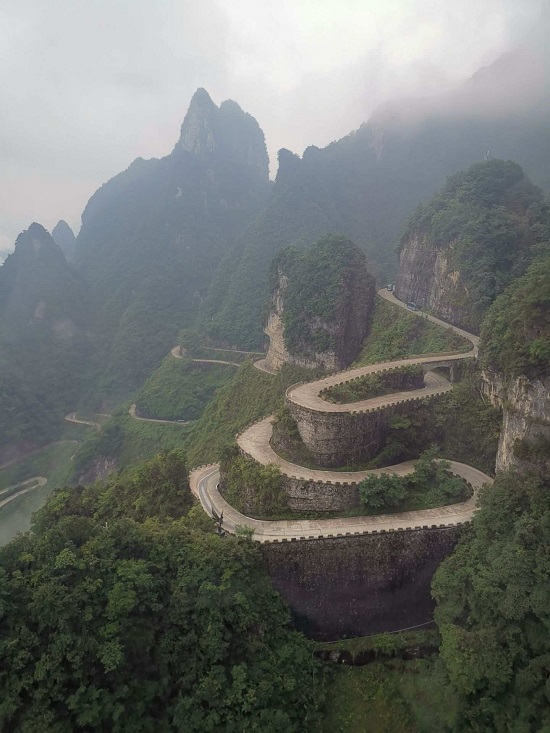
[412, 306]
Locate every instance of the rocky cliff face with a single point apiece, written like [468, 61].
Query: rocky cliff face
[223, 133]
[525, 435]
[467, 244]
[321, 302]
[428, 277]
[278, 353]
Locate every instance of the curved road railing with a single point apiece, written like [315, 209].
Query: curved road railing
[255, 442]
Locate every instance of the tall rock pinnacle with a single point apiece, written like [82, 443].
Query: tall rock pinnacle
[223, 134]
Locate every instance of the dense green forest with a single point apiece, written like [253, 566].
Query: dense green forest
[124, 611]
[516, 332]
[493, 609]
[47, 343]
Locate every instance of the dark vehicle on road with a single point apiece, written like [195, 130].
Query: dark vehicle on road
[412, 306]
[390, 287]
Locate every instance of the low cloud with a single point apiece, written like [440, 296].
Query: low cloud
[88, 87]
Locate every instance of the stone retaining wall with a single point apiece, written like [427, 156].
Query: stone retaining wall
[359, 585]
[346, 438]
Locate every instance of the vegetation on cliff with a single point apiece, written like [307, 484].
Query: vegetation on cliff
[493, 609]
[253, 489]
[46, 342]
[487, 220]
[431, 484]
[251, 395]
[124, 611]
[516, 331]
[327, 299]
[375, 385]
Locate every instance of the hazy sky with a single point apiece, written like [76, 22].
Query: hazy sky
[89, 85]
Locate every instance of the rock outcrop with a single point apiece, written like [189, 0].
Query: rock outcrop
[224, 134]
[429, 278]
[466, 245]
[525, 436]
[321, 302]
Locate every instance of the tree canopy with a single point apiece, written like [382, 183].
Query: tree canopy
[125, 611]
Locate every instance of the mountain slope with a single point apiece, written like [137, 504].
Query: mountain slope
[152, 236]
[366, 184]
[46, 346]
[65, 238]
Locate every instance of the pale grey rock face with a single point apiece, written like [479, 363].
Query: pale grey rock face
[428, 278]
[228, 133]
[525, 408]
[348, 330]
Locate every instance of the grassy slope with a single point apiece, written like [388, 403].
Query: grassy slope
[180, 389]
[390, 697]
[396, 334]
[128, 441]
[251, 395]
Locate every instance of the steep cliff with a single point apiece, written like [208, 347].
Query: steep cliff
[516, 357]
[321, 304]
[464, 247]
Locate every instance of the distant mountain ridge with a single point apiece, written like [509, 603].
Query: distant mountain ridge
[46, 340]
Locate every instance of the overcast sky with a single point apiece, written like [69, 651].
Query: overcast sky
[89, 85]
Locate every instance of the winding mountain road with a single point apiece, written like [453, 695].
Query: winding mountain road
[71, 417]
[255, 441]
[176, 353]
[22, 488]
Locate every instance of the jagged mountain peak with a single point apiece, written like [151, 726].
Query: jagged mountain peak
[65, 238]
[225, 133]
[37, 244]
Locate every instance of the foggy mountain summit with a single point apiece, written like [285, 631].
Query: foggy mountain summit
[225, 131]
[153, 235]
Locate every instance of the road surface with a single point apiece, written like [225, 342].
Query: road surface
[73, 418]
[204, 483]
[176, 352]
[24, 487]
[255, 441]
[132, 413]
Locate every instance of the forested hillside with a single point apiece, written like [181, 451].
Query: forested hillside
[152, 236]
[124, 611]
[47, 348]
[471, 240]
